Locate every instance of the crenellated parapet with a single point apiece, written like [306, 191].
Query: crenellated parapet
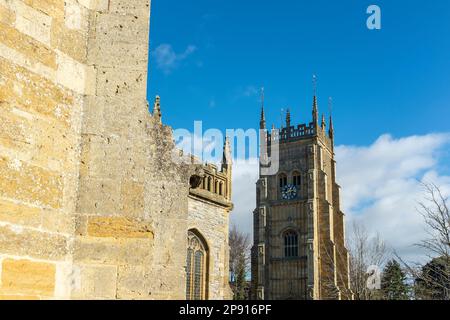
[290, 133]
[215, 186]
[215, 183]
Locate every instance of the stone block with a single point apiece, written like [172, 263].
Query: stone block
[98, 196]
[131, 282]
[113, 251]
[18, 297]
[80, 225]
[121, 82]
[96, 5]
[52, 8]
[113, 53]
[27, 45]
[33, 22]
[34, 137]
[70, 42]
[18, 240]
[13, 133]
[118, 227]
[58, 222]
[27, 278]
[121, 28]
[75, 75]
[18, 213]
[7, 16]
[96, 151]
[132, 198]
[97, 282]
[32, 92]
[29, 183]
[135, 8]
[76, 16]
[92, 122]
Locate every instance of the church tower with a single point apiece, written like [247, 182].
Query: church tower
[299, 236]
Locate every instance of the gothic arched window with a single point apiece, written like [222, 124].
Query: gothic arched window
[221, 188]
[196, 268]
[290, 244]
[282, 180]
[296, 179]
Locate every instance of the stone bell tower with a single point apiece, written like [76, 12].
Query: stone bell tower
[299, 238]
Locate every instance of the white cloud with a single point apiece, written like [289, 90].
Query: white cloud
[381, 185]
[245, 175]
[167, 59]
[200, 146]
[245, 92]
[250, 91]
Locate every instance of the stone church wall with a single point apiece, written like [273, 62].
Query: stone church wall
[41, 105]
[212, 222]
[91, 203]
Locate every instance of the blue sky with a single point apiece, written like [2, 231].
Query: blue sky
[390, 90]
[395, 80]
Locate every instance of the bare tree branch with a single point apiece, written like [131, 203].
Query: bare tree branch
[364, 251]
[433, 280]
[239, 259]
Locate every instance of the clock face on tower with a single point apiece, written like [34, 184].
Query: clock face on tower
[289, 192]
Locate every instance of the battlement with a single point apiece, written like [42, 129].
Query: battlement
[212, 184]
[290, 133]
[215, 186]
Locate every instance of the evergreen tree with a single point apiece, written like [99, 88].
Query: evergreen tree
[240, 282]
[434, 281]
[393, 282]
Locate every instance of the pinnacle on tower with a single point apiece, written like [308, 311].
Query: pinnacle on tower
[157, 109]
[323, 122]
[315, 112]
[262, 121]
[330, 110]
[226, 156]
[288, 118]
[331, 129]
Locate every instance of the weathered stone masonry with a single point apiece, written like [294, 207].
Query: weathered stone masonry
[91, 203]
[299, 248]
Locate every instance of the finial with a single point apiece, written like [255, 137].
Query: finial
[315, 112]
[330, 110]
[262, 97]
[330, 106]
[288, 118]
[281, 118]
[314, 82]
[157, 109]
[323, 122]
[262, 121]
[331, 129]
[226, 157]
[315, 108]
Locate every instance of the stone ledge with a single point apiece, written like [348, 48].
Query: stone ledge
[210, 197]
